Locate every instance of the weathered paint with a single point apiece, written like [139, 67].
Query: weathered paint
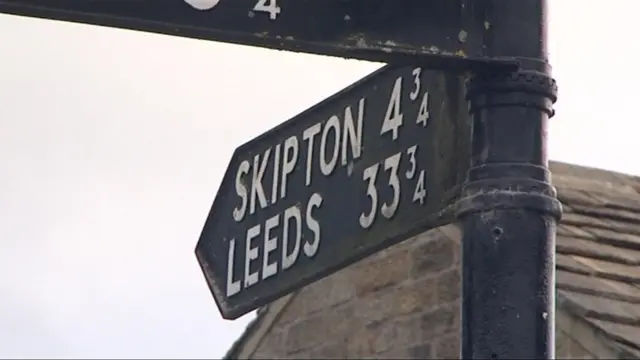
[440, 34]
[394, 180]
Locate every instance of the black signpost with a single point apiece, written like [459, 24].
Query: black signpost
[391, 156]
[509, 209]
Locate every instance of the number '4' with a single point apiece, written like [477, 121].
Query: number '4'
[393, 118]
[423, 113]
[268, 6]
[420, 192]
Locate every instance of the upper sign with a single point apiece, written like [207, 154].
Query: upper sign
[364, 169]
[443, 33]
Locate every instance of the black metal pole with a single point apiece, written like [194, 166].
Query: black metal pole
[508, 210]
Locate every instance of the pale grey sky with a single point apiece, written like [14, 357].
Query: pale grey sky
[113, 144]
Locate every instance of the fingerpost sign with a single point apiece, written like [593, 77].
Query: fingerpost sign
[360, 171]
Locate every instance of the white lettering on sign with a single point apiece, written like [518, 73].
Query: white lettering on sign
[290, 160]
[308, 135]
[345, 138]
[391, 165]
[202, 4]
[241, 190]
[393, 117]
[269, 6]
[411, 151]
[339, 140]
[416, 82]
[391, 123]
[276, 173]
[311, 248]
[288, 259]
[420, 192]
[251, 254]
[233, 287]
[291, 232]
[327, 166]
[369, 175]
[265, 178]
[257, 190]
[270, 244]
[423, 113]
[352, 133]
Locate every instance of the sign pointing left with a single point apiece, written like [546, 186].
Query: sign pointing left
[366, 168]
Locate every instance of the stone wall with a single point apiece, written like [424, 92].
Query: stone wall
[403, 302]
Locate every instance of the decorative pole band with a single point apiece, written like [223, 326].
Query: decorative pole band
[509, 184]
[528, 88]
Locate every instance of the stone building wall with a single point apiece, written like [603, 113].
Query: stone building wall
[403, 302]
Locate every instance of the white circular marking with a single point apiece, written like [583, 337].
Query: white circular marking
[202, 4]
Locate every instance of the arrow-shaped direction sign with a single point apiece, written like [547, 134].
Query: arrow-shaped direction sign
[370, 166]
[445, 34]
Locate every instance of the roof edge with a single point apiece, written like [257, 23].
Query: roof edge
[251, 338]
[596, 175]
[600, 337]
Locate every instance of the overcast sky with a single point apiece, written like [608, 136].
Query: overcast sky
[113, 144]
